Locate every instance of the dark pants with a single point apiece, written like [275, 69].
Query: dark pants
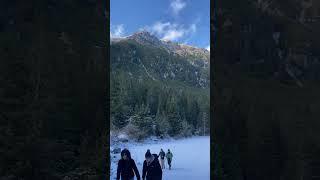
[169, 162]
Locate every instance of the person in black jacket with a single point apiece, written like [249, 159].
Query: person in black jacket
[151, 167]
[127, 167]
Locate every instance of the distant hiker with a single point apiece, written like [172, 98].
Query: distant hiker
[169, 156]
[151, 167]
[162, 155]
[127, 167]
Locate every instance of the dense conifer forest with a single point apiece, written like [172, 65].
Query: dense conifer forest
[156, 92]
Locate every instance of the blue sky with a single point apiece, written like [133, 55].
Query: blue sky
[183, 21]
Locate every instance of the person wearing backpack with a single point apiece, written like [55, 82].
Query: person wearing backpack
[169, 156]
[162, 155]
[151, 167]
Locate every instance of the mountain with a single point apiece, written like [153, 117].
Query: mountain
[145, 38]
[148, 39]
[144, 55]
[158, 88]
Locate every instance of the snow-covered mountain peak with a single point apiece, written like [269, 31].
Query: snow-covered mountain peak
[148, 39]
[145, 38]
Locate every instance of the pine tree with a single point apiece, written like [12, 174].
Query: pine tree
[204, 123]
[175, 122]
[162, 124]
[182, 105]
[153, 99]
[117, 107]
[174, 118]
[193, 112]
[187, 129]
[143, 120]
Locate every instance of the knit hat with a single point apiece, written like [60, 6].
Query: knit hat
[148, 154]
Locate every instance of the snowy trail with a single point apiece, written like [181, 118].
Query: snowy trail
[191, 157]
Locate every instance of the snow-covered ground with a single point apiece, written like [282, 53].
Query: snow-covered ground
[191, 157]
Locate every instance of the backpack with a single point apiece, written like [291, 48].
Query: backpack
[162, 155]
[155, 156]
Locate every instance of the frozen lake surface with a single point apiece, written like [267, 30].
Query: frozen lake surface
[191, 157]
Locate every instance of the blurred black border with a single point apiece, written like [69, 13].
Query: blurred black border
[212, 47]
[43, 31]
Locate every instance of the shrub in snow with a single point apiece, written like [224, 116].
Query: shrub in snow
[186, 129]
[123, 137]
[134, 132]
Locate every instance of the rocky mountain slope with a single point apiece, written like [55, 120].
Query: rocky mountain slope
[146, 38]
[143, 55]
[158, 88]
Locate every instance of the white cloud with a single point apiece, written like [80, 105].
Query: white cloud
[171, 31]
[208, 47]
[159, 27]
[177, 5]
[173, 35]
[193, 28]
[117, 31]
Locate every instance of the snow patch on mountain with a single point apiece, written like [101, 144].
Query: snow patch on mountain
[146, 38]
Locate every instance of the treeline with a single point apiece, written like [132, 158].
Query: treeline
[144, 107]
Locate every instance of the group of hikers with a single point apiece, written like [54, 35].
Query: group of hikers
[152, 168]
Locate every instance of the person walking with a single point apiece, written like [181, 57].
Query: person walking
[169, 156]
[162, 155]
[151, 168]
[127, 167]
